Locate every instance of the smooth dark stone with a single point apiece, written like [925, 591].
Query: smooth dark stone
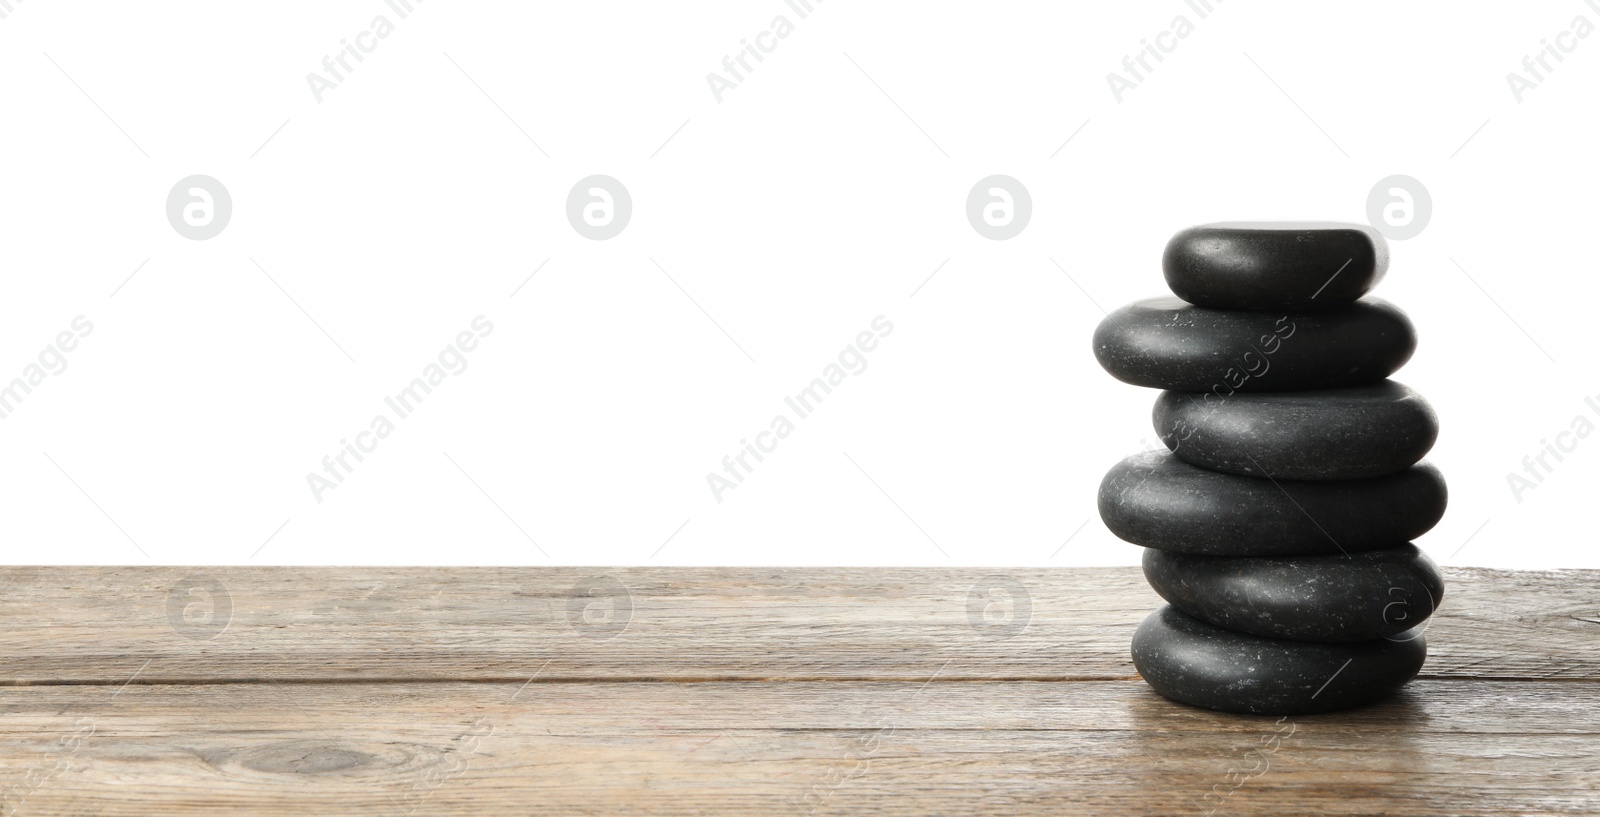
[1164, 343]
[1195, 663]
[1274, 265]
[1333, 598]
[1349, 433]
[1156, 500]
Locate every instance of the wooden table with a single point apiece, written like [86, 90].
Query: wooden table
[503, 691]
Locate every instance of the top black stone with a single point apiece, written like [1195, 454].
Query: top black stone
[1269, 265]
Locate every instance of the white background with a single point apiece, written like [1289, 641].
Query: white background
[413, 197]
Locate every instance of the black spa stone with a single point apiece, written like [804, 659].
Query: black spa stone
[1348, 433]
[1156, 500]
[1274, 265]
[1332, 598]
[1165, 343]
[1196, 663]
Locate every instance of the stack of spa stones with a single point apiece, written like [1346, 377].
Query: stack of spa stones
[1278, 523]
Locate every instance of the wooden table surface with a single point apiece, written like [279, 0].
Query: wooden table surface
[745, 691]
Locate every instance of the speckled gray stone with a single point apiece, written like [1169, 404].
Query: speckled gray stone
[1164, 343]
[1196, 663]
[1348, 433]
[1156, 500]
[1355, 597]
[1274, 265]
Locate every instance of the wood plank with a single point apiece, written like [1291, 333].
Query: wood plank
[887, 748]
[94, 624]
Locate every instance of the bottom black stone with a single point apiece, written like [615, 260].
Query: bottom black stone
[1202, 665]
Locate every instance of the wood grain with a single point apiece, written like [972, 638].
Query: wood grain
[847, 747]
[742, 692]
[90, 625]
